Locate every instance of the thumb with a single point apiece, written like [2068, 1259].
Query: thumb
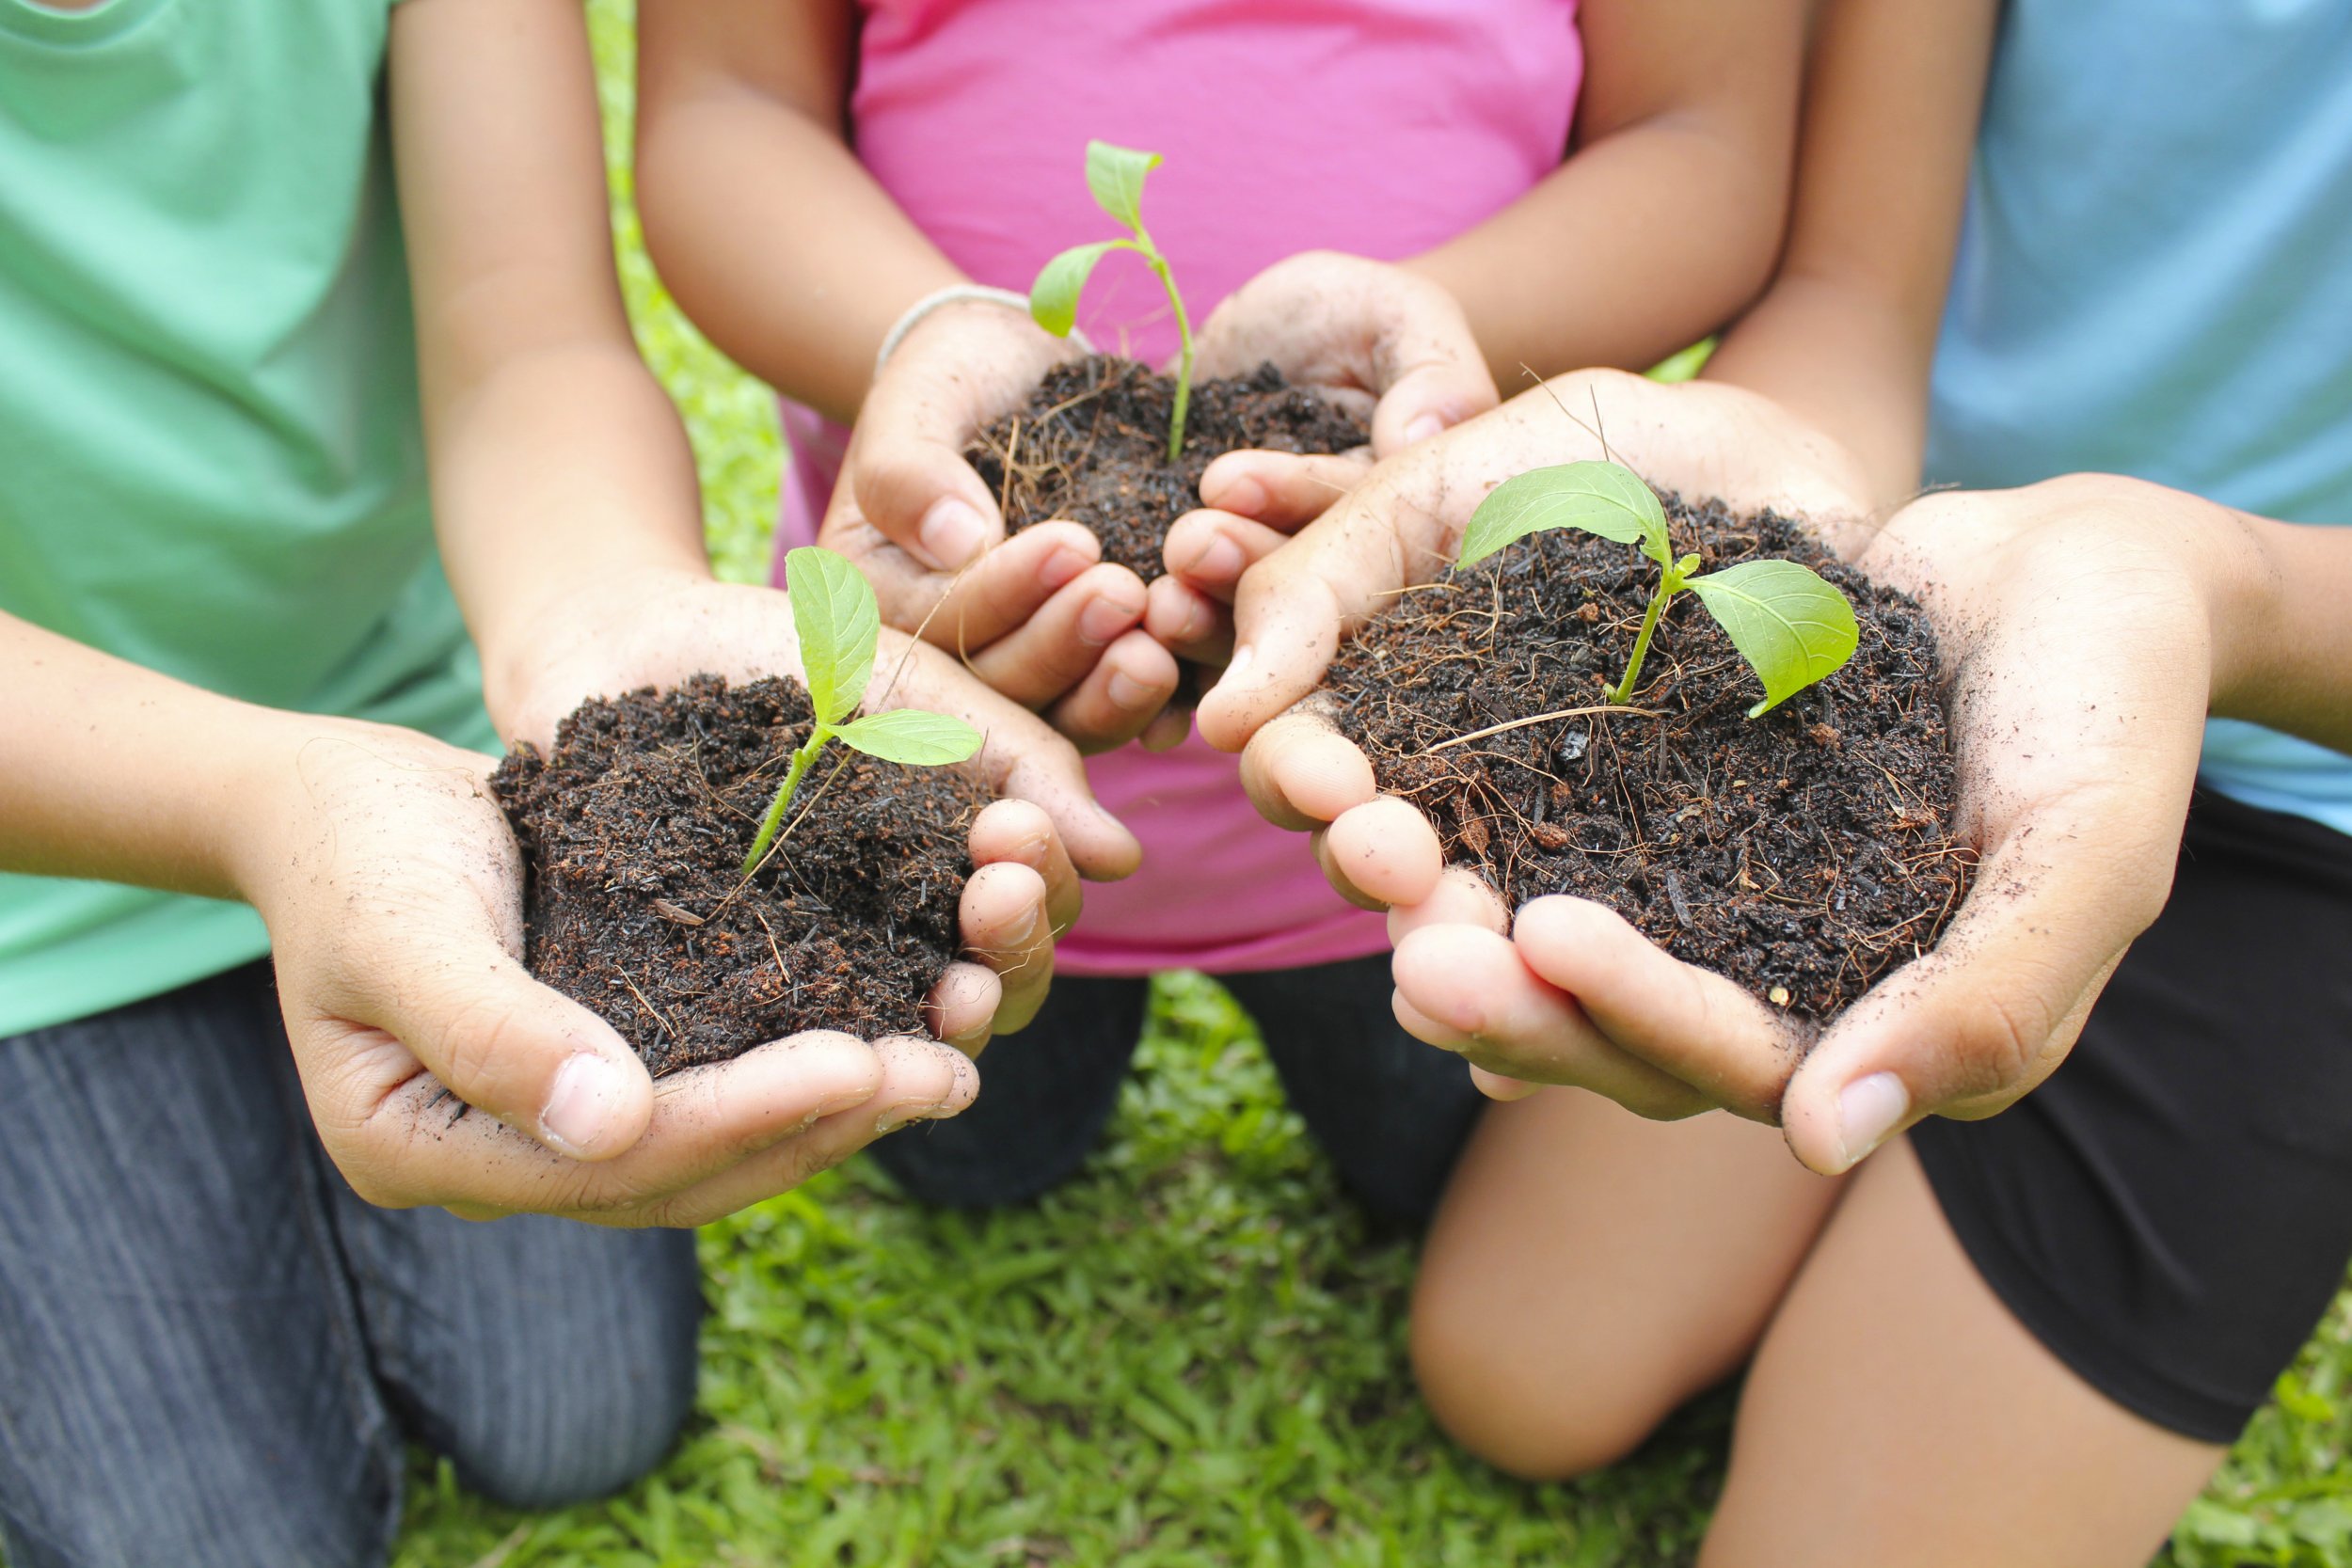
[1287, 625]
[1293, 606]
[906, 471]
[1432, 396]
[1971, 1027]
[513, 1048]
[1429, 369]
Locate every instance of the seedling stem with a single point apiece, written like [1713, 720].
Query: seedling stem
[1115, 176]
[839, 624]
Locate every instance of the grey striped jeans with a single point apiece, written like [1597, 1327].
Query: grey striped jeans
[212, 1352]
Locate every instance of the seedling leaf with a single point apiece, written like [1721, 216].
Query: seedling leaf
[1054, 298]
[1792, 626]
[915, 739]
[1115, 175]
[1595, 497]
[833, 607]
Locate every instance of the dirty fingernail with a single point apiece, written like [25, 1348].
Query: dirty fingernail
[1222, 562]
[1063, 566]
[587, 1087]
[1127, 691]
[1867, 1110]
[891, 1120]
[952, 533]
[846, 1099]
[1244, 497]
[1103, 620]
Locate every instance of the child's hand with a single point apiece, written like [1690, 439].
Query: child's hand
[1038, 616]
[1376, 338]
[392, 892]
[1403, 526]
[1380, 340]
[2079, 618]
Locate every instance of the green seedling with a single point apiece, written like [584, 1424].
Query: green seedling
[1115, 175]
[839, 623]
[1791, 628]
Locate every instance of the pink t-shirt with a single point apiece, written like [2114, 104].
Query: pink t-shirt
[1378, 127]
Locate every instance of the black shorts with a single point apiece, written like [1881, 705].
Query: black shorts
[2171, 1211]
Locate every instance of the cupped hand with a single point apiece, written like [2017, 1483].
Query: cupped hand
[1379, 340]
[1039, 615]
[392, 892]
[2076, 619]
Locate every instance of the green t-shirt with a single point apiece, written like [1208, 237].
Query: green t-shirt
[211, 458]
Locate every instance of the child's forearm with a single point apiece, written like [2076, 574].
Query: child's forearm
[562, 472]
[557, 463]
[766, 228]
[1665, 221]
[2287, 660]
[1846, 334]
[115, 772]
[1596, 265]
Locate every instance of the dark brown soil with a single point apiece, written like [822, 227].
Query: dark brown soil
[1092, 448]
[1803, 853]
[634, 830]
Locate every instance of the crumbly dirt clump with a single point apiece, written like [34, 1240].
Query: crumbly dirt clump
[1092, 448]
[634, 830]
[1803, 853]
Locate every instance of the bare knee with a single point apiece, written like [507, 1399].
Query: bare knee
[1548, 1412]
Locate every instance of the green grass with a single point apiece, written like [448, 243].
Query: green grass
[1192, 1355]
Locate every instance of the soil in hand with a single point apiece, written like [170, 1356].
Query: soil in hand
[1092, 448]
[1803, 853]
[634, 830]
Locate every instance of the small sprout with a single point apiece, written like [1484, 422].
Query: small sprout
[834, 608]
[1791, 628]
[1115, 175]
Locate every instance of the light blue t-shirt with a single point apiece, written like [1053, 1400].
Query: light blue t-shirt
[2156, 279]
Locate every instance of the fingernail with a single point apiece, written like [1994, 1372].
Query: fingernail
[1063, 566]
[1244, 498]
[1032, 928]
[951, 532]
[1103, 620]
[1127, 691]
[586, 1089]
[891, 1120]
[1867, 1110]
[1423, 427]
[1222, 562]
[847, 1100]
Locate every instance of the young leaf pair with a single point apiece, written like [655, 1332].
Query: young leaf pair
[1115, 175]
[838, 622]
[1791, 628]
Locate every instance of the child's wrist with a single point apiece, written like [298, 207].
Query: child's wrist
[956, 294]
